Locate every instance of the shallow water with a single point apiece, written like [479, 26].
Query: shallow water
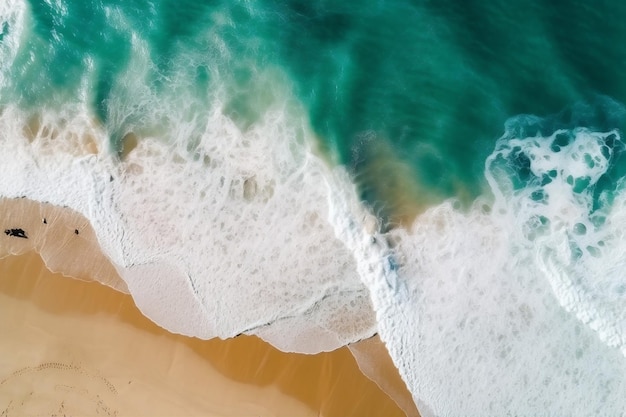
[84, 349]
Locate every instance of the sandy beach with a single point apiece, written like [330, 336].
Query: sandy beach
[72, 347]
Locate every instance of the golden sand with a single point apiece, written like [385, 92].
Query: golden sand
[71, 347]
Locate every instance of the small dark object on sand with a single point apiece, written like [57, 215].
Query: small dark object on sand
[45, 221]
[16, 233]
[76, 231]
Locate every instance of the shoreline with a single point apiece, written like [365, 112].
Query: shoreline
[50, 309]
[75, 251]
[60, 331]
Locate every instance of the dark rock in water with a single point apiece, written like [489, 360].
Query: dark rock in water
[16, 233]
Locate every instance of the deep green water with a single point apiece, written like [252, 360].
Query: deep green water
[410, 95]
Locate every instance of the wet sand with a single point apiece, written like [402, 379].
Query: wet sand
[71, 347]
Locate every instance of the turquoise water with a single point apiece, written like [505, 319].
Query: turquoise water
[434, 81]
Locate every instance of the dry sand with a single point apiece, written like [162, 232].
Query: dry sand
[71, 347]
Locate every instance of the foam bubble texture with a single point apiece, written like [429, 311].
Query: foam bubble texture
[218, 218]
[570, 219]
[229, 237]
[12, 15]
[245, 218]
[472, 316]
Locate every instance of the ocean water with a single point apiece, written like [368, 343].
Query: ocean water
[446, 174]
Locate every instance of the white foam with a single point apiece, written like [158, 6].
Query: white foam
[218, 228]
[256, 222]
[12, 15]
[580, 252]
[228, 238]
[473, 318]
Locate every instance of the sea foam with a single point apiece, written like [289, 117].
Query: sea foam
[515, 306]
[230, 238]
[571, 213]
[210, 202]
[12, 15]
